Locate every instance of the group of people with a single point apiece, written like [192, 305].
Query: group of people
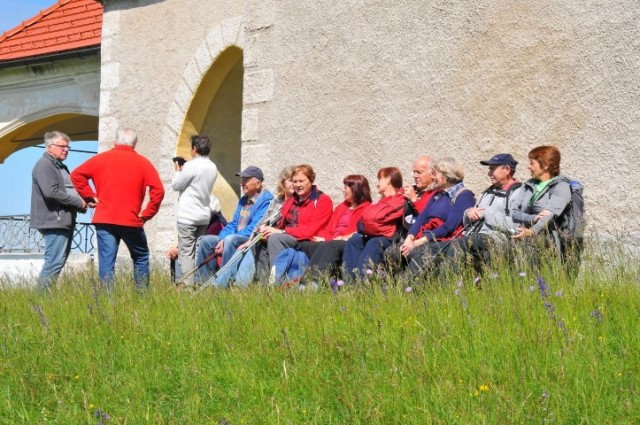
[411, 230]
[415, 229]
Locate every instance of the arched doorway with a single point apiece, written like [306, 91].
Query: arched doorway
[216, 110]
[30, 132]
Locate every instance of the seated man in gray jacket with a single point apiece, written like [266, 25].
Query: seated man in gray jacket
[54, 205]
[487, 225]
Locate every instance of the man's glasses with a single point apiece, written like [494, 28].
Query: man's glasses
[63, 147]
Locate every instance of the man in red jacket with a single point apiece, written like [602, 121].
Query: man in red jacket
[121, 177]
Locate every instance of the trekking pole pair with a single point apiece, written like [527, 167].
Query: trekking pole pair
[269, 220]
[270, 211]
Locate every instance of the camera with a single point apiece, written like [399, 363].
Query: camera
[179, 160]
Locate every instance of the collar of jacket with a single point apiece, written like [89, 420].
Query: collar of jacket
[313, 196]
[59, 164]
[451, 192]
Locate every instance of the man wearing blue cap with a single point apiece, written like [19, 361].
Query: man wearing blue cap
[488, 224]
[251, 207]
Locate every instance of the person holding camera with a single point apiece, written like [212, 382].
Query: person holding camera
[194, 181]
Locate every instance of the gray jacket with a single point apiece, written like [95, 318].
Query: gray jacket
[52, 207]
[495, 221]
[555, 198]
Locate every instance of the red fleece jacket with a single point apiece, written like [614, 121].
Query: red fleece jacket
[327, 232]
[312, 215]
[121, 177]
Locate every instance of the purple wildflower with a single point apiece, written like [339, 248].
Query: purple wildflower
[596, 314]
[545, 290]
[340, 283]
[476, 280]
[369, 272]
[408, 289]
[334, 285]
[103, 417]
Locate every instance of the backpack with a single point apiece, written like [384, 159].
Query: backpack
[571, 223]
[290, 265]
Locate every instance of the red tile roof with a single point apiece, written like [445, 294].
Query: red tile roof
[66, 26]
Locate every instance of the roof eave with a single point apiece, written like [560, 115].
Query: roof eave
[51, 57]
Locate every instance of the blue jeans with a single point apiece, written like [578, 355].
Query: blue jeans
[207, 246]
[57, 245]
[362, 252]
[109, 237]
[241, 272]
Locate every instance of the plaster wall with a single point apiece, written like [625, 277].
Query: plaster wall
[355, 85]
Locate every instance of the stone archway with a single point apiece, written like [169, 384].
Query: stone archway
[78, 123]
[209, 101]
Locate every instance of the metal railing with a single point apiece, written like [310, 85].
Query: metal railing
[16, 236]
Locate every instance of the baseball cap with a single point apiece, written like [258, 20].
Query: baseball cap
[501, 159]
[251, 171]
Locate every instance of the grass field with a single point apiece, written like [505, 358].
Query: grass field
[513, 348]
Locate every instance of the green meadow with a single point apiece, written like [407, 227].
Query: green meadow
[509, 349]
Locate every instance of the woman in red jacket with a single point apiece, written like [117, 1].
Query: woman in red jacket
[303, 215]
[380, 222]
[325, 250]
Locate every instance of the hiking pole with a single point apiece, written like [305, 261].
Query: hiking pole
[256, 237]
[270, 212]
[474, 228]
[185, 276]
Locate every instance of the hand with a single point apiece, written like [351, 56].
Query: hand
[172, 253]
[321, 239]
[475, 214]
[541, 214]
[269, 230]
[144, 220]
[410, 193]
[83, 208]
[523, 233]
[218, 248]
[407, 246]
[243, 245]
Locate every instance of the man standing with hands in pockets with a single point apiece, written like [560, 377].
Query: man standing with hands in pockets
[121, 177]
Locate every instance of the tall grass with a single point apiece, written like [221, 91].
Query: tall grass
[511, 348]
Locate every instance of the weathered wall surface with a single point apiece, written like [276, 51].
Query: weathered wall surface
[353, 85]
[148, 46]
[357, 85]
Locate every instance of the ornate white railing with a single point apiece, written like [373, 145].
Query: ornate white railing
[16, 236]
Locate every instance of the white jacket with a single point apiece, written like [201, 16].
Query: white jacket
[195, 182]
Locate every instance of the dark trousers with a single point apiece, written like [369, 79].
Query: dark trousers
[326, 257]
[474, 249]
[362, 252]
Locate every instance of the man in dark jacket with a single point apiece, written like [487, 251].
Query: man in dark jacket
[54, 205]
